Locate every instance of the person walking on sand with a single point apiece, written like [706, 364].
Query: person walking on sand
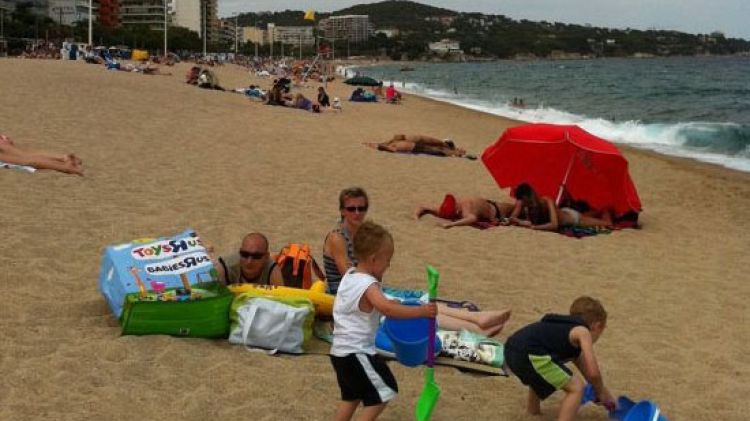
[362, 375]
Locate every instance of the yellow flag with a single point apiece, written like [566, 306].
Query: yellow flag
[310, 15]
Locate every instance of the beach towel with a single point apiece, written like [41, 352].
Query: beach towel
[25, 168]
[321, 345]
[472, 347]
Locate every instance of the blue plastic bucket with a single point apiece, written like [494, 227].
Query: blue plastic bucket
[409, 338]
[643, 411]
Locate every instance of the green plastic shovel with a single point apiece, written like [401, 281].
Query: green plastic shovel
[431, 391]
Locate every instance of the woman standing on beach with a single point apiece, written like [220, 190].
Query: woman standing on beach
[338, 251]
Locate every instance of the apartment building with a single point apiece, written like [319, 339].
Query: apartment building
[355, 28]
[292, 35]
[148, 13]
[68, 12]
[229, 32]
[255, 35]
[184, 13]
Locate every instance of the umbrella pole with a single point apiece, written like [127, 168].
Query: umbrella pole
[565, 180]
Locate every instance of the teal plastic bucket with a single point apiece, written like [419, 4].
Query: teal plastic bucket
[409, 339]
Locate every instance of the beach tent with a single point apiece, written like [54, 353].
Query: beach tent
[554, 159]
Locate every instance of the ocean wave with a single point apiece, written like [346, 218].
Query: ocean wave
[725, 144]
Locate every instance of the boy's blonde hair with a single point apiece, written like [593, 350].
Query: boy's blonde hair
[589, 309]
[369, 239]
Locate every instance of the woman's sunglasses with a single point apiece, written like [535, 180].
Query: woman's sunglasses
[257, 256]
[360, 209]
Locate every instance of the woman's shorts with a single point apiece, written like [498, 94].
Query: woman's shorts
[364, 377]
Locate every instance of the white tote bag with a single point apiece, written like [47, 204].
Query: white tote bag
[269, 326]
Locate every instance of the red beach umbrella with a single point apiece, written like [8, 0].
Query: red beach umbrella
[556, 158]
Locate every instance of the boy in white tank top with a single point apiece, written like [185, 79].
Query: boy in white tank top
[362, 375]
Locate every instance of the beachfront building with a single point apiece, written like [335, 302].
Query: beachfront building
[191, 14]
[37, 7]
[445, 46]
[388, 32]
[68, 12]
[255, 35]
[149, 13]
[229, 32]
[188, 14]
[355, 28]
[292, 35]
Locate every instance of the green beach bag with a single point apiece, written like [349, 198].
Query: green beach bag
[270, 324]
[204, 315]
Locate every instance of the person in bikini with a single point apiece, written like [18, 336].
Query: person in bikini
[542, 213]
[468, 210]
[420, 144]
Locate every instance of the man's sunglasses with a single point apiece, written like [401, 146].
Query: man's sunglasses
[360, 209]
[257, 256]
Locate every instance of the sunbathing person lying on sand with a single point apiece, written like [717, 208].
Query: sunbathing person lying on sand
[487, 323]
[542, 213]
[420, 144]
[10, 153]
[467, 211]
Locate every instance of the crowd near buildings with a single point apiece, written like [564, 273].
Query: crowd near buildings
[200, 16]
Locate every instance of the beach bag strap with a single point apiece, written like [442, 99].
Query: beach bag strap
[253, 311]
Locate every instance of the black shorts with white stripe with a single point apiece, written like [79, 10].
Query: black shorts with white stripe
[365, 378]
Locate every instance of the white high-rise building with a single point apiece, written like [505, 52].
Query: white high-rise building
[68, 12]
[355, 28]
[190, 14]
[187, 14]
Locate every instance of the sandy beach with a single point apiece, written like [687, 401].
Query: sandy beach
[162, 156]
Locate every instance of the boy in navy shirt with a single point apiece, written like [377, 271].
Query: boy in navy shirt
[538, 352]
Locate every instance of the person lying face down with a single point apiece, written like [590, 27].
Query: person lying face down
[542, 213]
[420, 144]
[468, 210]
[252, 263]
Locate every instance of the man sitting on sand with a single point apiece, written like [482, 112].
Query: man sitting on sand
[468, 210]
[251, 264]
[420, 144]
[12, 154]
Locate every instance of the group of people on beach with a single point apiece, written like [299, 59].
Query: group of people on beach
[530, 210]
[356, 254]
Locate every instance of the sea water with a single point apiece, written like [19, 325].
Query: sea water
[697, 107]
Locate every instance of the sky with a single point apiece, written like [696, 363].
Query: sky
[731, 17]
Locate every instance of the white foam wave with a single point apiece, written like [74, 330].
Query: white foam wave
[669, 139]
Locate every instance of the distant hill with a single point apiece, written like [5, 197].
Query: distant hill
[497, 36]
[400, 14]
